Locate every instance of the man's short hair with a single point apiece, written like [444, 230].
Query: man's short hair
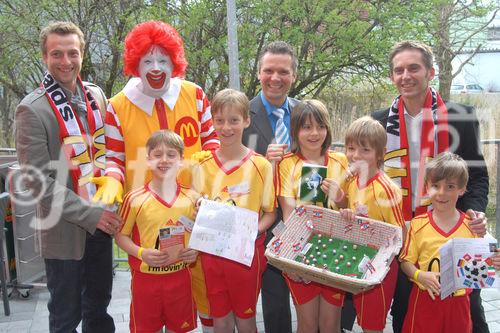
[61, 28]
[279, 47]
[305, 110]
[447, 166]
[368, 132]
[167, 138]
[231, 98]
[425, 50]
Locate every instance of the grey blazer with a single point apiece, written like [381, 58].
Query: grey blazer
[260, 134]
[63, 217]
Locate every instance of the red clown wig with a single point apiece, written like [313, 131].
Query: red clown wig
[147, 34]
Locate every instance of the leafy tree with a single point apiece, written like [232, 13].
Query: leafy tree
[103, 23]
[339, 43]
[453, 27]
[334, 40]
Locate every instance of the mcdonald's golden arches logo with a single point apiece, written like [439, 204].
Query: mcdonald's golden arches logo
[188, 129]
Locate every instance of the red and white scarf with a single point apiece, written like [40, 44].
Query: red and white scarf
[75, 142]
[397, 158]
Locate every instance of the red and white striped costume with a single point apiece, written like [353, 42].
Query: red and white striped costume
[132, 117]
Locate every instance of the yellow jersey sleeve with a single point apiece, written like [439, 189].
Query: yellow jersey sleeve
[286, 179]
[390, 206]
[410, 249]
[338, 167]
[268, 197]
[128, 211]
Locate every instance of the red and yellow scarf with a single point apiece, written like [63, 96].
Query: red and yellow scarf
[84, 163]
[434, 140]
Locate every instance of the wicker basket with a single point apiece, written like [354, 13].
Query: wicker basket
[306, 220]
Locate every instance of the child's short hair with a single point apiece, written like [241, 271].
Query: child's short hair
[447, 166]
[233, 98]
[167, 138]
[368, 132]
[305, 110]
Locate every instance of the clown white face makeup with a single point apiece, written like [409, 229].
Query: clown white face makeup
[155, 69]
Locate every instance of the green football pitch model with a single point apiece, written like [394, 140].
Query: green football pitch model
[336, 255]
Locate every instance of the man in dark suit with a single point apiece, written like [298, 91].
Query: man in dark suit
[60, 145]
[277, 72]
[411, 139]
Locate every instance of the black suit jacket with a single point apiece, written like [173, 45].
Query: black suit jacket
[260, 134]
[464, 141]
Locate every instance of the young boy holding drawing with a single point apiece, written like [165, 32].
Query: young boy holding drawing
[235, 175]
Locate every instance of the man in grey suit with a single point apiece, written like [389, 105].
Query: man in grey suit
[277, 72]
[60, 146]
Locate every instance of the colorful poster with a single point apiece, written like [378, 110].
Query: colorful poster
[466, 263]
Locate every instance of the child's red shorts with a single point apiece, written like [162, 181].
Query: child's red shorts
[162, 300]
[436, 316]
[372, 306]
[232, 286]
[304, 292]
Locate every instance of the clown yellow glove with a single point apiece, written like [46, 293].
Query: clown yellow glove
[109, 190]
[200, 155]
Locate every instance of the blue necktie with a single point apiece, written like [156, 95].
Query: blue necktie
[281, 132]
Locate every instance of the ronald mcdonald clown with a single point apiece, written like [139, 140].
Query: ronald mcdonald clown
[155, 98]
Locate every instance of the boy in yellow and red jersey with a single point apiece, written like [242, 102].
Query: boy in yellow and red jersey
[235, 175]
[161, 289]
[445, 180]
[371, 193]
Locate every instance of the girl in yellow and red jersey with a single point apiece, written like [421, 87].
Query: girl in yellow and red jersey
[318, 307]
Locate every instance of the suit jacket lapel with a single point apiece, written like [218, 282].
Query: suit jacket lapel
[292, 102]
[260, 121]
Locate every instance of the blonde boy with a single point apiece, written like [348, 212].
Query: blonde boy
[372, 193]
[235, 175]
[161, 291]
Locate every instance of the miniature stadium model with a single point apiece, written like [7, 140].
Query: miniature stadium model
[336, 255]
[318, 245]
